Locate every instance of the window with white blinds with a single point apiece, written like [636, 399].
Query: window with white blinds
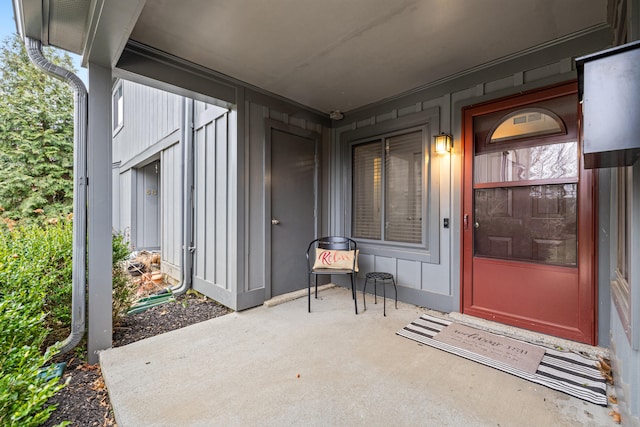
[388, 188]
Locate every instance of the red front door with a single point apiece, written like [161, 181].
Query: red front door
[528, 226]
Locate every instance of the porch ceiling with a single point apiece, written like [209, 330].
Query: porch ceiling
[329, 54]
[341, 55]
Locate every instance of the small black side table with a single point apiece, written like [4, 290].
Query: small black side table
[375, 276]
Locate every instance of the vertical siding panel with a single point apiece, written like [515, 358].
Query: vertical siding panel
[125, 203]
[210, 211]
[167, 104]
[167, 114]
[172, 223]
[150, 116]
[171, 203]
[174, 206]
[154, 127]
[221, 197]
[138, 130]
[174, 202]
[200, 225]
[163, 125]
[133, 126]
[165, 215]
[176, 244]
[151, 112]
[179, 200]
[256, 227]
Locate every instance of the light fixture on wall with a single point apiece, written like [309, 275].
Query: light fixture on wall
[443, 142]
[336, 115]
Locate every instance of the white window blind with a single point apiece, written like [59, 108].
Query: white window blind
[367, 190]
[403, 201]
[387, 189]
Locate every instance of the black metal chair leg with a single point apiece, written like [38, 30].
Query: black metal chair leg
[384, 298]
[309, 294]
[316, 277]
[353, 289]
[375, 291]
[396, 289]
[364, 297]
[353, 292]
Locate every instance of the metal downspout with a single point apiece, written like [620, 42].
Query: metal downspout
[34, 50]
[187, 202]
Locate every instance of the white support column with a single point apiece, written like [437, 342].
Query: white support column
[99, 200]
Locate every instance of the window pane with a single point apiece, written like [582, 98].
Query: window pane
[527, 123]
[535, 223]
[552, 161]
[118, 108]
[623, 223]
[367, 191]
[403, 189]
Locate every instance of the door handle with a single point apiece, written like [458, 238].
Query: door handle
[275, 222]
[465, 221]
[476, 225]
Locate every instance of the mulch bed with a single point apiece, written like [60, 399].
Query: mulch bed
[85, 401]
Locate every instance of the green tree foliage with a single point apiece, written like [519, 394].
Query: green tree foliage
[36, 136]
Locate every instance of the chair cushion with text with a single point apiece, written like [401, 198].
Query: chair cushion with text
[334, 259]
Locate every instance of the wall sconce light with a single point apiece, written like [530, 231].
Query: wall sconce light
[336, 115]
[444, 143]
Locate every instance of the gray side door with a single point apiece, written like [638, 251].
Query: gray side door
[148, 207]
[293, 207]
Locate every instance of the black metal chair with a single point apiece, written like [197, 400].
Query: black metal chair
[332, 243]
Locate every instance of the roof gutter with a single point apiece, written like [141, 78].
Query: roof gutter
[78, 307]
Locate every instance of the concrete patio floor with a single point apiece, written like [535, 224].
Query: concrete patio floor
[281, 366]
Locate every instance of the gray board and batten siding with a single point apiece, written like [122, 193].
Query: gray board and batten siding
[430, 278]
[433, 281]
[214, 146]
[148, 143]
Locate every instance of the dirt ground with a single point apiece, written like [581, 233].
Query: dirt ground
[85, 401]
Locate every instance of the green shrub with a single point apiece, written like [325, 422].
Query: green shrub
[23, 391]
[35, 312]
[37, 259]
[123, 293]
[40, 257]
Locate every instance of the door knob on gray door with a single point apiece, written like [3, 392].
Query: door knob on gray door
[275, 222]
[476, 225]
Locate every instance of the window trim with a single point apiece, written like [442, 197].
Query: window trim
[381, 141]
[115, 110]
[427, 122]
[525, 110]
[622, 286]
